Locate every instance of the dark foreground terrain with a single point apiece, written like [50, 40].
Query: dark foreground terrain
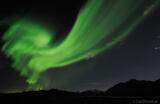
[130, 92]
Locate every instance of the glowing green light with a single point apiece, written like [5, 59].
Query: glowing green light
[99, 26]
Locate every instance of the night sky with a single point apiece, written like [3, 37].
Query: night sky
[137, 56]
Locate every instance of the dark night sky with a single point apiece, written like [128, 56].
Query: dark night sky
[138, 56]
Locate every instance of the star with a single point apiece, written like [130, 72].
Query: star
[156, 48]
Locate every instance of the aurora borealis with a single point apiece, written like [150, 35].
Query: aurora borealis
[99, 26]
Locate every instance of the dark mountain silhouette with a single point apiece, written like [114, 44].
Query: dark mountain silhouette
[128, 92]
[135, 87]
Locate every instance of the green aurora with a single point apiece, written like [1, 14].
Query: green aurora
[99, 26]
